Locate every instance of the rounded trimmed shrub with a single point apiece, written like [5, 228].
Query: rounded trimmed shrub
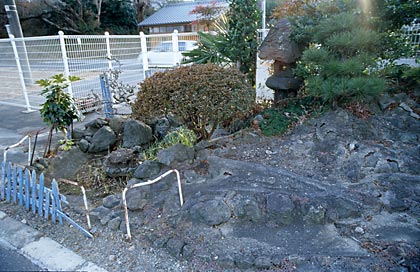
[201, 96]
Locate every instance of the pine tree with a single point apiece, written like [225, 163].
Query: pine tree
[340, 64]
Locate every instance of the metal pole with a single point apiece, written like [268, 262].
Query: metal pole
[21, 74]
[143, 44]
[65, 60]
[16, 30]
[175, 47]
[264, 7]
[108, 51]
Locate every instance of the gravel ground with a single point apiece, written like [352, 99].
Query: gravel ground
[108, 249]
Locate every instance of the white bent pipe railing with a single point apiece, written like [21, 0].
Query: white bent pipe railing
[181, 199]
[18, 144]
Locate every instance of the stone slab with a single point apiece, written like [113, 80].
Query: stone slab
[52, 255]
[2, 215]
[91, 267]
[16, 233]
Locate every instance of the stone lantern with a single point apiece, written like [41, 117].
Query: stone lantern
[279, 47]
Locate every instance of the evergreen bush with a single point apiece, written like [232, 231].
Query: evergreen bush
[340, 65]
[201, 96]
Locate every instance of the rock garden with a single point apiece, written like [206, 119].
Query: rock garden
[324, 178]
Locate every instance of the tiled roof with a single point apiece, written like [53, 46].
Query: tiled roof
[176, 13]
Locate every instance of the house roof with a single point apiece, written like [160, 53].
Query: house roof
[177, 13]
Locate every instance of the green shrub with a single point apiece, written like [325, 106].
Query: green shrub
[279, 120]
[339, 66]
[201, 96]
[412, 75]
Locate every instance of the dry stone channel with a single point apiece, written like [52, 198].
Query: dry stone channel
[340, 193]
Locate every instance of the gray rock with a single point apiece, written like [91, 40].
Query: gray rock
[77, 134]
[385, 101]
[211, 212]
[96, 123]
[315, 215]
[162, 127]
[84, 145]
[339, 208]
[137, 198]
[175, 246]
[111, 201]
[102, 140]
[136, 133]
[148, 169]
[122, 156]
[262, 262]
[415, 115]
[133, 181]
[43, 161]
[280, 209]
[405, 107]
[121, 162]
[89, 132]
[278, 45]
[387, 166]
[114, 224]
[175, 154]
[203, 145]
[246, 208]
[117, 124]
[67, 164]
[277, 82]
[38, 167]
[99, 213]
[188, 251]
[244, 260]
[409, 137]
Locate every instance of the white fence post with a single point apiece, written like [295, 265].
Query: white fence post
[143, 44]
[65, 60]
[175, 47]
[108, 51]
[21, 76]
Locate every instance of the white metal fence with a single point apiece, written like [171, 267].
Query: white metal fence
[85, 56]
[24, 61]
[412, 32]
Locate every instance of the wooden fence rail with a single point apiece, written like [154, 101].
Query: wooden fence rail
[23, 188]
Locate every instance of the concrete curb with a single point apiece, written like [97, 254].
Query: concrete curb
[42, 251]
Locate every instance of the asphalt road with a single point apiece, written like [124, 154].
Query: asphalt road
[10, 260]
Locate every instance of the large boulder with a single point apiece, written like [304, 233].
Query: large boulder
[147, 170]
[175, 154]
[102, 140]
[210, 212]
[136, 133]
[67, 164]
[278, 45]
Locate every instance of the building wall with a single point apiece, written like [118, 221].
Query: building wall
[181, 28]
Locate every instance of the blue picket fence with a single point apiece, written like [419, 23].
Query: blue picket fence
[23, 188]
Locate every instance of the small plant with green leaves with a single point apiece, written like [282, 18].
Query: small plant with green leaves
[181, 135]
[66, 144]
[292, 111]
[59, 110]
